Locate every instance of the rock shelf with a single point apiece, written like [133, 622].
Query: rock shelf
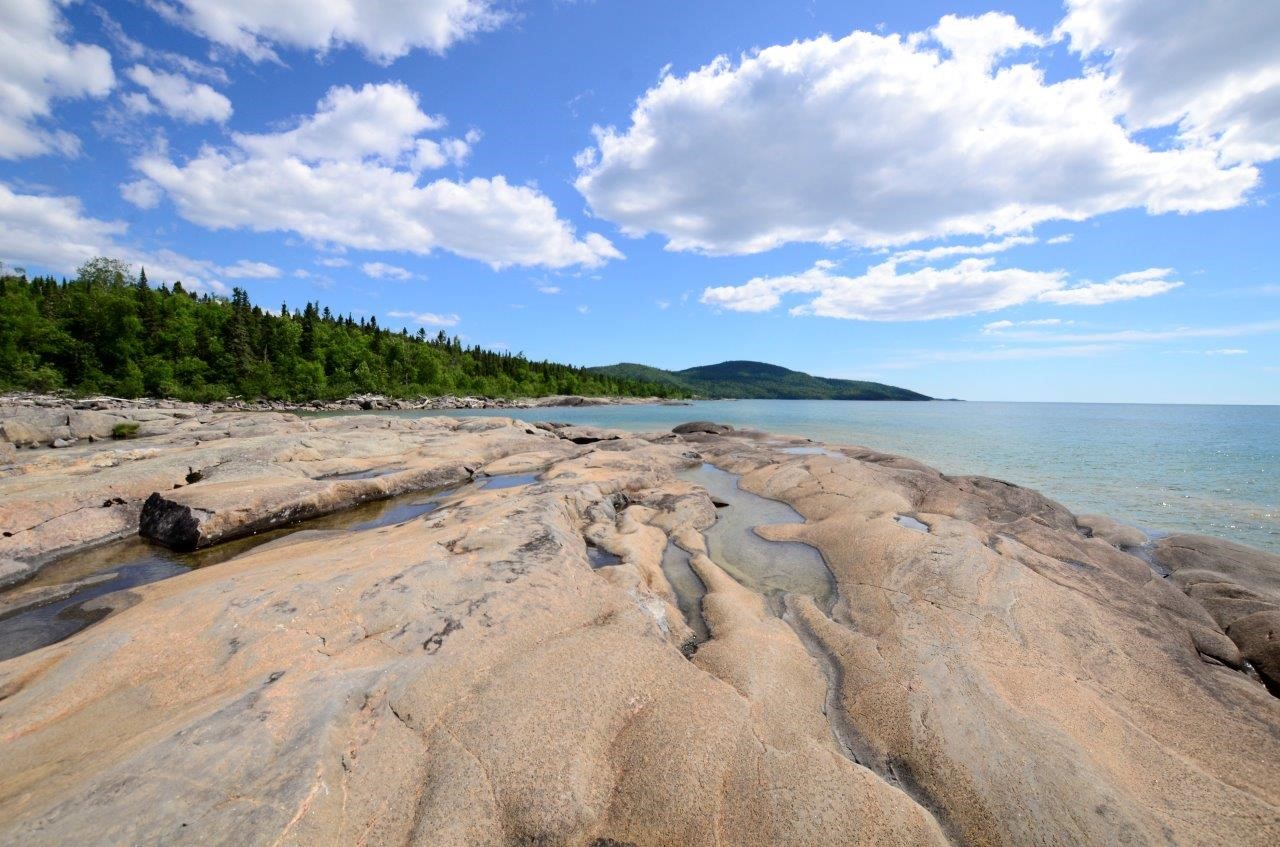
[523, 663]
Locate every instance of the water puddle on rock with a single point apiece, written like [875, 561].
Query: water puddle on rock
[773, 568]
[688, 588]
[511, 480]
[813, 451]
[50, 606]
[371, 473]
[600, 557]
[911, 523]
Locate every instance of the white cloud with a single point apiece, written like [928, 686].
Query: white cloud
[582, 310]
[971, 286]
[180, 98]
[37, 67]
[430, 155]
[53, 233]
[384, 30]
[131, 48]
[1061, 239]
[1211, 69]
[426, 318]
[882, 293]
[548, 289]
[381, 270]
[333, 262]
[1128, 286]
[935, 253]
[998, 327]
[344, 176]
[1226, 351]
[245, 269]
[142, 193]
[880, 140]
[663, 304]
[382, 122]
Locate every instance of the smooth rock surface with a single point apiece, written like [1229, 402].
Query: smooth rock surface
[466, 677]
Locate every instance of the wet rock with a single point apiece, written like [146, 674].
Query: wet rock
[1112, 531]
[1259, 638]
[701, 427]
[13, 572]
[64, 442]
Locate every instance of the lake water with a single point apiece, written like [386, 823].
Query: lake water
[1164, 468]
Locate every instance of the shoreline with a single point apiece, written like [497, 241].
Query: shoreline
[560, 608]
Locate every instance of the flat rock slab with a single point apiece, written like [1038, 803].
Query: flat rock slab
[467, 677]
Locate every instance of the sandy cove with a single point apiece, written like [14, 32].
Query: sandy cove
[994, 669]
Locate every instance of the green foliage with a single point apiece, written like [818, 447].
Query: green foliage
[110, 331]
[124, 429]
[757, 380]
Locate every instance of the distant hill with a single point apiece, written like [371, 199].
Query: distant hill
[757, 380]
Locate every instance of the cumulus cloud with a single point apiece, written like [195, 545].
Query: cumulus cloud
[142, 193]
[934, 253]
[882, 140]
[180, 98]
[346, 176]
[245, 269]
[1211, 69]
[1128, 286]
[381, 270]
[971, 286]
[426, 318]
[37, 66]
[384, 30]
[53, 233]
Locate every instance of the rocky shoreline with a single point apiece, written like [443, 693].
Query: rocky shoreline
[46, 420]
[569, 657]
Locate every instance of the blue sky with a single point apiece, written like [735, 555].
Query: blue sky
[1029, 201]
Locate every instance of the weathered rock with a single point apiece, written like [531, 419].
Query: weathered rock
[198, 516]
[466, 677]
[1259, 638]
[1239, 586]
[701, 427]
[13, 572]
[1112, 531]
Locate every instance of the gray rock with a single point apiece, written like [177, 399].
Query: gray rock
[703, 427]
[12, 572]
[64, 442]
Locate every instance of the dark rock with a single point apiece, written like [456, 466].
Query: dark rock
[701, 426]
[1258, 637]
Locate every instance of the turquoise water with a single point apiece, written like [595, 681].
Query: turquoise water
[1208, 469]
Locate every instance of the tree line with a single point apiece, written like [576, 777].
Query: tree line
[110, 331]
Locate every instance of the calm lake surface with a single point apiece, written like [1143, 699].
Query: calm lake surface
[1208, 469]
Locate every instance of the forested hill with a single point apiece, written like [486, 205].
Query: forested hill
[109, 331]
[757, 380]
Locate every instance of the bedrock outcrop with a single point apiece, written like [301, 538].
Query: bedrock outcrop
[988, 674]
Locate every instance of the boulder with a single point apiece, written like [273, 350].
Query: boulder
[1258, 636]
[1112, 531]
[701, 427]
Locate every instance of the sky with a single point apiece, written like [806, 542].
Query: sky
[1026, 201]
